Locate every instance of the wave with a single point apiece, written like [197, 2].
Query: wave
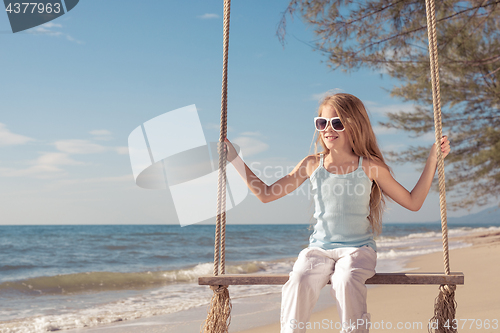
[107, 281]
[5, 268]
[146, 234]
[167, 291]
[421, 243]
[97, 281]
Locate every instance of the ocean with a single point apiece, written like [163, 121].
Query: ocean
[64, 277]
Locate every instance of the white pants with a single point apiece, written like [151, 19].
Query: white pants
[347, 268]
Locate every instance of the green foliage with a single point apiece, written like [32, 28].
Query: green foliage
[391, 36]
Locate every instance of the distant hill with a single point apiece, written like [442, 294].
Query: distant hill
[489, 215]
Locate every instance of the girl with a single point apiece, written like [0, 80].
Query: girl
[350, 180]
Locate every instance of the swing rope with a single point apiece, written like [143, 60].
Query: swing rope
[220, 230]
[445, 304]
[219, 314]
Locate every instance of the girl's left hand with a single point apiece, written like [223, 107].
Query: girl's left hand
[445, 146]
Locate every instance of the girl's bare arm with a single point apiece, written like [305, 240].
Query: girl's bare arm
[411, 200]
[268, 193]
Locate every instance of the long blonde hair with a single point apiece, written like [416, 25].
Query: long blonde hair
[353, 115]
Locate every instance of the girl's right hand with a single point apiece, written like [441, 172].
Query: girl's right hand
[230, 150]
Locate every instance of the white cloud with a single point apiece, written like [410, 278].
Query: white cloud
[208, 16]
[79, 147]
[210, 126]
[379, 110]
[45, 166]
[7, 138]
[50, 165]
[37, 171]
[101, 135]
[100, 132]
[99, 180]
[393, 147]
[42, 30]
[122, 150]
[47, 29]
[382, 130]
[54, 159]
[51, 25]
[375, 108]
[250, 145]
[318, 97]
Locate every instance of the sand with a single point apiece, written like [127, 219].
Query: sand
[408, 307]
[411, 306]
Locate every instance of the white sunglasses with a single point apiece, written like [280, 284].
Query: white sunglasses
[321, 123]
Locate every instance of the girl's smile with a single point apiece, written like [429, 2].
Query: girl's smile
[329, 137]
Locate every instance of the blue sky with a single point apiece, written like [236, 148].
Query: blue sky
[73, 90]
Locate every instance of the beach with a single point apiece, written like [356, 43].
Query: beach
[181, 305]
[478, 299]
[392, 307]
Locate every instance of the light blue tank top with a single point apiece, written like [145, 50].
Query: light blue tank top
[342, 206]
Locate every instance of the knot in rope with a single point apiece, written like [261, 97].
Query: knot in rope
[219, 289]
[447, 289]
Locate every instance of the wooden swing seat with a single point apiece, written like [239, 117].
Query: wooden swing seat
[379, 278]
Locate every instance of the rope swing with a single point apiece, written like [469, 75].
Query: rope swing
[445, 304]
[219, 314]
